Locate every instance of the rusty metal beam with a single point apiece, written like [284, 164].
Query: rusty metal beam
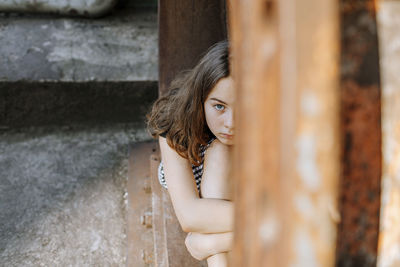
[140, 245]
[169, 239]
[186, 30]
[389, 233]
[287, 155]
[159, 229]
[155, 237]
[361, 135]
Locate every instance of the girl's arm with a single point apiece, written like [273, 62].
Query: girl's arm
[195, 214]
[215, 183]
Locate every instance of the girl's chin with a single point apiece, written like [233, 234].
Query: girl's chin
[225, 141]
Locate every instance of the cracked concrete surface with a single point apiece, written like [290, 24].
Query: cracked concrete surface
[119, 47]
[63, 195]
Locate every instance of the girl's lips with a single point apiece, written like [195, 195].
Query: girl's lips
[229, 136]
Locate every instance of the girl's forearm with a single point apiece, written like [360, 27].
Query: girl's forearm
[222, 242]
[216, 243]
[209, 215]
[203, 246]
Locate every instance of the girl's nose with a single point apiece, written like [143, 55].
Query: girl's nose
[229, 124]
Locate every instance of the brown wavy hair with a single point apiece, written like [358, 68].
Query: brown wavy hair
[180, 113]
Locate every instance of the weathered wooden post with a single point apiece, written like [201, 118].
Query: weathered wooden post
[285, 61]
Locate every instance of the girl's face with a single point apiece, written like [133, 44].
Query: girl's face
[218, 109]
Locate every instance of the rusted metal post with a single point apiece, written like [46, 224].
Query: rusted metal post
[186, 30]
[361, 135]
[389, 234]
[287, 147]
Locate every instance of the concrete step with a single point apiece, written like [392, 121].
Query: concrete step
[25, 104]
[120, 47]
[63, 195]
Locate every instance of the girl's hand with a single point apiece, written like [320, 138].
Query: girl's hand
[198, 246]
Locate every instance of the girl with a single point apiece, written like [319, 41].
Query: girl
[195, 129]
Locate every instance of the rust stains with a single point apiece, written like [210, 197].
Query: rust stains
[361, 173]
[361, 135]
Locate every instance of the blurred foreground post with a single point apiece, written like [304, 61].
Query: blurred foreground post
[285, 66]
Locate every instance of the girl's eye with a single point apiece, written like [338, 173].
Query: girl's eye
[219, 107]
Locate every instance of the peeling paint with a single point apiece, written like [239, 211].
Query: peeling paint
[309, 104]
[306, 162]
[305, 251]
[269, 230]
[304, 205]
